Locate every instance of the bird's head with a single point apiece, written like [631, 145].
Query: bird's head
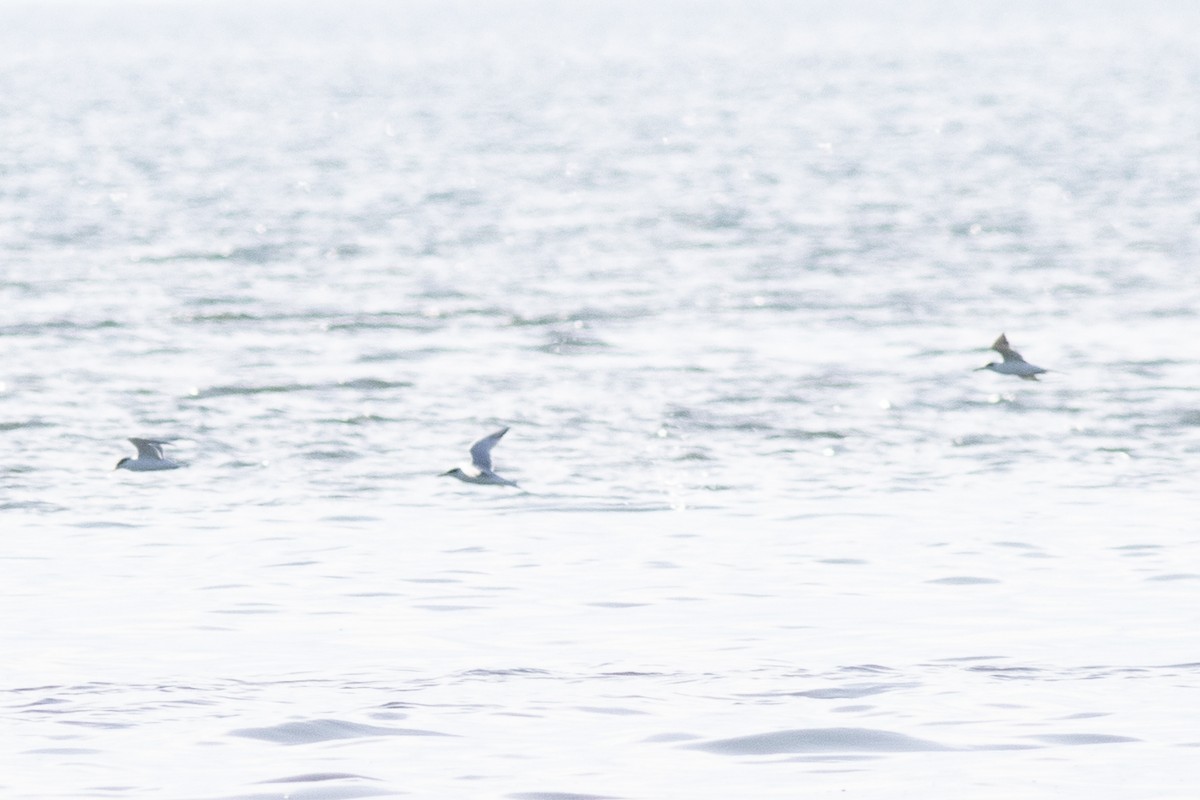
[989, 365]
[456, 472]
[123, 462]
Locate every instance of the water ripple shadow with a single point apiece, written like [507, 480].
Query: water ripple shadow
[322, 792]
[323, 730]
[316, 777]
[852, 692]
[819, 740]
[1082, 738]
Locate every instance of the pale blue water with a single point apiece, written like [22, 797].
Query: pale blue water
[725, 269]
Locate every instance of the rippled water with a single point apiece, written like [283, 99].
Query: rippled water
[725, 270]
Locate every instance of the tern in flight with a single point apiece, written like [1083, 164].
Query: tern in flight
[480, 470]
[149, 458]
[1013, 363]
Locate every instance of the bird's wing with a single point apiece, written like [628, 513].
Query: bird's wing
[1002, 347]
[481, 451]
[1012, 355]
[148, 448]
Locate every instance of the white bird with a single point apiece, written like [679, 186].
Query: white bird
[1013, 363]
[150, 457]
[480, 470]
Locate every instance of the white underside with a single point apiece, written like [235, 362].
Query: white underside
[1021, 368]
[147, 465]
[489, 478]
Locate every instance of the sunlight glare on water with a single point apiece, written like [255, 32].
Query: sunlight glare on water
[726, 271]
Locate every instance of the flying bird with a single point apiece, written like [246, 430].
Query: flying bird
[480, 470]
[149, 458]
[1013, 363]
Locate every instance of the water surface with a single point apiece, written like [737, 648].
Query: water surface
[725, 270]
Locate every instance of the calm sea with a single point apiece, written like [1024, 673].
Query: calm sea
[725, 269]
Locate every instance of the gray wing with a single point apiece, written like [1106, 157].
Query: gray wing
[481, 451]
[148, 448]
[1012, 355]
[1002, 347]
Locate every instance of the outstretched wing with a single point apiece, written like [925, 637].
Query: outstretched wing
[1002, 347]
[148, 448]
[481, 451]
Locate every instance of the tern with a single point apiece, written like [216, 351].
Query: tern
[150, 457]
[480, 470]
[1013, 363]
